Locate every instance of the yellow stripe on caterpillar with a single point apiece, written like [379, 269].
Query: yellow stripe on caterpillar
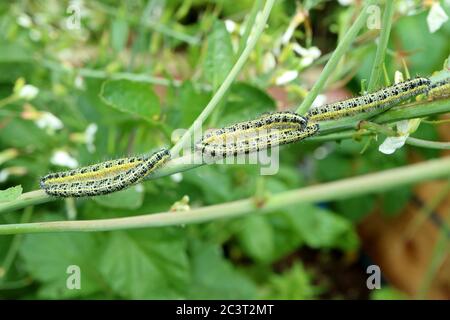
[275, 120]
[103, 178]
[248, 144]
[381, 99]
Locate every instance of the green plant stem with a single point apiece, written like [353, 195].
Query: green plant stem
[426, 211]
[253, 38]
[100, 74]
[242, 45]
[331, 65]
[249, 26]
[331, 130]
[403, 112]
[377, 128]
[342, 189]
[8, 100]
[14, 247]
[428, 144]
[440, 253]
[377, 69]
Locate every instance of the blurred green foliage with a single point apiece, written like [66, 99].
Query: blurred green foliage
[185, 40]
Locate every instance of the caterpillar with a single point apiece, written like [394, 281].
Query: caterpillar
[267, 121]
[440, 88]
[103, 178]
[381, 99]
[249, 144]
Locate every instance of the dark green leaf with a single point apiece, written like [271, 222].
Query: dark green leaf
[296, 283]
[321, 228]
[245, 102]
[130, 198]
[396, 199]
[216, 278]
[48, 256]
[10, 194]
[356, 209]
[132, 97]
[146, 264]
[257, 238]
[219, 56]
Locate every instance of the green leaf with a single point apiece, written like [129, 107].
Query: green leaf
[294, 284]
[119, 34]
[146, 264]
[257, 238]
[245, 102]
[10, 194]
[356, 209]
[219, 55]
[395, 200]
[48, 256]
[207, 176]
[132, 97]
[187, 105]
[130, 198]
[321, 228]
[213, 277]
[387, 293]
[14, 52]
[333, 168]
[16, 60]
[21, 134]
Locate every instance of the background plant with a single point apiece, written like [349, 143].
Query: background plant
[120, 85]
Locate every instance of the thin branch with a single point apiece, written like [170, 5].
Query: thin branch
[428, 144]
[331, 65]
[255, 34]
[377, 69]
[342, 189]
[330, 130]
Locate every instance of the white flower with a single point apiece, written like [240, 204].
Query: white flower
[230, 25]
[404, 128]
[177, 177]
[47, 120]
[391, 144]
[309, 55]
[89, 134]
[62, 158]
[286, 77]
[28, 92]
[345, 2]
[269, 62]
[79, 82]
[24, 20]
[436, 17]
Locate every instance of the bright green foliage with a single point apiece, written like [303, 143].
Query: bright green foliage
[10, 194]
[132, 75]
